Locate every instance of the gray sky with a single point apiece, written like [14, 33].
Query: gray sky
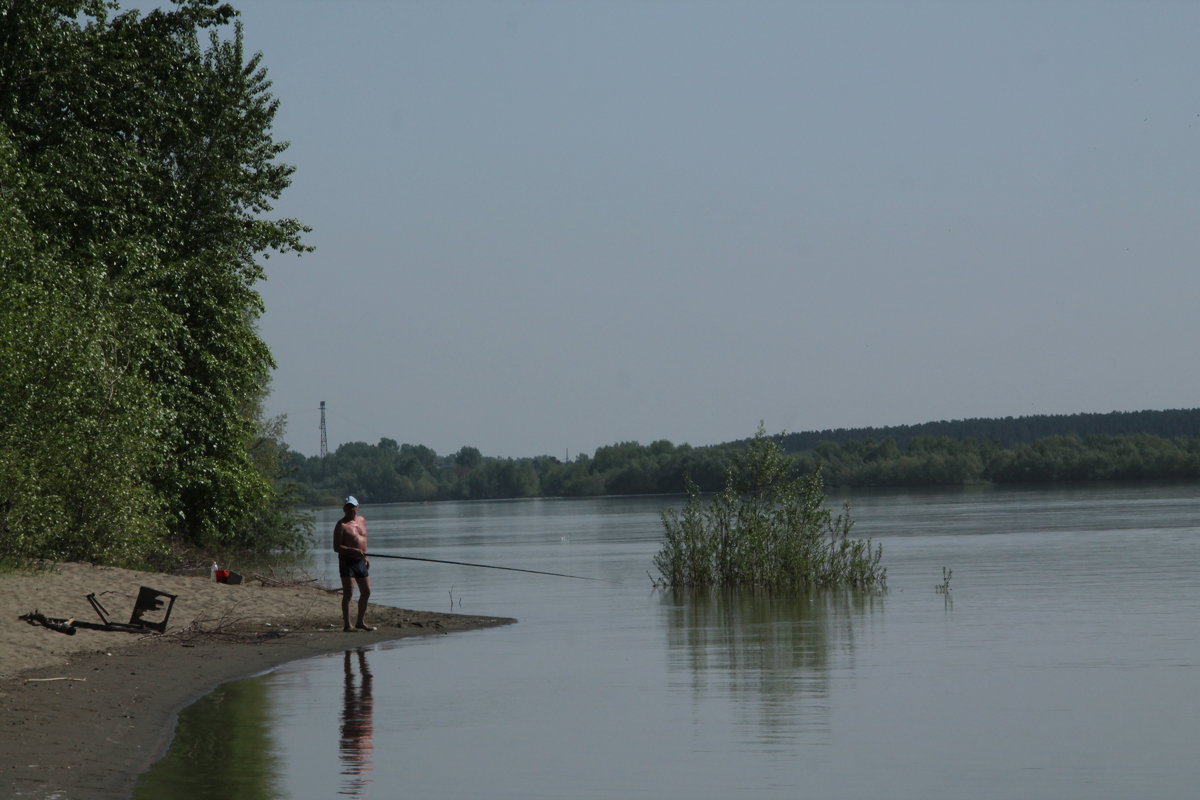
[544, 227]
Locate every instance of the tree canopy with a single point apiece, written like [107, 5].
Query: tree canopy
[136, 169]
[1150, 448]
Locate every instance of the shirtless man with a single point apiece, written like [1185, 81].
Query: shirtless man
[350, 543]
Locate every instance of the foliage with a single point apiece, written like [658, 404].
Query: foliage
[950, 462]
[389, 472]
[766, 528]
[135, 167]
[1008, 432]
[276, 524]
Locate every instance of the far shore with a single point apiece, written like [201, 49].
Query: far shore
[86, 714]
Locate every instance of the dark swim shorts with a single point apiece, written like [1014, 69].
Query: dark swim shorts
[353, 567]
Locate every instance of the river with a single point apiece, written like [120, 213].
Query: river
[1062, 662]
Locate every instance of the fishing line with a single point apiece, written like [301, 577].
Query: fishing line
[486, 566]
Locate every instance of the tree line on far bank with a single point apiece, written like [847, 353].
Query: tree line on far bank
[390, 472]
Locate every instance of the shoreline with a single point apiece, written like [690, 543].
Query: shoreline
[87, 714]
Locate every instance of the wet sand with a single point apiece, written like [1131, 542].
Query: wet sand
[85, 714]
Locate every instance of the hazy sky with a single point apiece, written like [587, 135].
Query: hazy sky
[543, 227]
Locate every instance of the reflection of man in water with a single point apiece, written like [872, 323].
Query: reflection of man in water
[357, 725]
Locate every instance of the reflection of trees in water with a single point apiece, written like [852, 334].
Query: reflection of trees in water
[772, 655]
[222, 749]
[358, 724]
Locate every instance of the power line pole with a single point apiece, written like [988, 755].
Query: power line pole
[324, 440]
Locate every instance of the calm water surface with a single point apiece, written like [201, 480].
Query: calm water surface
[1063, 663]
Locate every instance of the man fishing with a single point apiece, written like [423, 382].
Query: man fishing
[350, 543]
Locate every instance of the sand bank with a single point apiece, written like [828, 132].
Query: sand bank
[85, 714]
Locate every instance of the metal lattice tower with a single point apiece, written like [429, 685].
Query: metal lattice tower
[324, 440]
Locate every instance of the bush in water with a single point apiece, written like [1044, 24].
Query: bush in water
[766, 528]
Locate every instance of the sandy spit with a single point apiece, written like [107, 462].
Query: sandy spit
[85, 714]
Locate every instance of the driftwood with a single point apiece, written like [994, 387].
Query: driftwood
[226, 628]
[66, 626]
[271, 580]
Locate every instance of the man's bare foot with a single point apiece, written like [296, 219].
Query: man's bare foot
[362, 626]
[347, 629]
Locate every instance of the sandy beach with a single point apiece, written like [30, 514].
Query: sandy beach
[85, 714]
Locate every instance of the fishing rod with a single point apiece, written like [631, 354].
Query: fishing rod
[486, 566]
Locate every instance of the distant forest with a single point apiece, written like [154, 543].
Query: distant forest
[1137, 445]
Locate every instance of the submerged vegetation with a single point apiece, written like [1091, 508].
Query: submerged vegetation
[944, 586]
[767, 528]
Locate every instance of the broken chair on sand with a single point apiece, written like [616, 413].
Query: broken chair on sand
[147, 600]
[142, 620]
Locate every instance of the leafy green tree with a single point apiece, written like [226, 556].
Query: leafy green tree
[142, 164]
[79, 426]
[424, 457]
[468, 458]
